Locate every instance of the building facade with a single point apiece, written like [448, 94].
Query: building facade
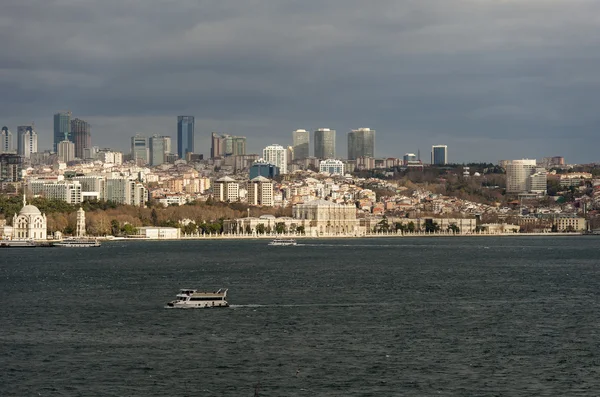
[62, 128]
[264, 169]
[332, 166]
[301, 144]
[361, 143]
[226, 189]
[158, 149]
[260, 192]
[321, 217]
[66, 151]
[11, 167]
[29, 224]
[81, 136]
[524, 176]
[27, 141]
[276, 155]
[185, 135]
[324, 142]
[439, 155]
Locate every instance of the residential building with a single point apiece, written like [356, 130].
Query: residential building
[260, 191]
[185, 136]
[62, 128]
[107, 156]
[90, 153]
[216, 146]
[226, 189]
[66, 151]
[332, 166]
[324, 142]
[126, 190]
[95, 184]
[276, 155]
[27, 141]
[439, 155]
[140, 152]
[361, 143]
[6, 144]
[301, 144]
[81, 136]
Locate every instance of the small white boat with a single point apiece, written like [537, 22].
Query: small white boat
[78, 243]
[283, 241]
[193, 299]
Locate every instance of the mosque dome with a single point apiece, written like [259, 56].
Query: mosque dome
[30, 210]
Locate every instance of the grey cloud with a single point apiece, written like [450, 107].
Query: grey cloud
[468, 73]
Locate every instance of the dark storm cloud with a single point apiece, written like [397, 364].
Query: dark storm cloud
[491, 78]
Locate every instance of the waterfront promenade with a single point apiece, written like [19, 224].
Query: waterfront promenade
[243, 236]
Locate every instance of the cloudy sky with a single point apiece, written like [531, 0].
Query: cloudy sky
[492, 79]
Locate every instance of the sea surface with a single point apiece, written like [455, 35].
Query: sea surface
[449, 316]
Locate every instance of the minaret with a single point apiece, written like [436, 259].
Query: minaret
[80, 222]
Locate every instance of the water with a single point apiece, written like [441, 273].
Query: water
[386, 317]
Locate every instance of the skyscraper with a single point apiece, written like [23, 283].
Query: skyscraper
[324, 143]
[361, 143]
[301, 143]
[158, 149]
[276, 155]
[185, 136]
[62, 128]
[439, 154]
[139, 149]
[6, 145]
[224, 145]
[524, 176]
[27, 141]
[81, 136]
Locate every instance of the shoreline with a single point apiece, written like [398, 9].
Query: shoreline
[300, 237]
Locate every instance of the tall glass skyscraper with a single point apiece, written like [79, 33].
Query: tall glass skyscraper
[361, 143]
[62, 128]
[324, 140]
[6, 145]
[301, 139]
[185, 135]
[439, 154]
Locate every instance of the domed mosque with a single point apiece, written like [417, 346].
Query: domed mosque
[30, 224]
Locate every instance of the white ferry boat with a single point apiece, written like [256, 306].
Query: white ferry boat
[78, 243]
[193, 299]
[283, 241]
[17, 244]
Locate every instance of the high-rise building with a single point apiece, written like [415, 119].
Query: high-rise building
[62, 128]
[262, 168]
[11, 166]
[139, 149]
[361, 143]
[66, 151]
[276, 155]
[27, 141]
[226, 189]
[225, 145]
[158, 149]
[81, 136]
[260, 191]
[324, 140]
[301, 143]
[439, 155]
[185, 136]
[524, 176]
[6, 145]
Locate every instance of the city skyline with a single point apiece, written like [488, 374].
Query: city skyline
[489, 79]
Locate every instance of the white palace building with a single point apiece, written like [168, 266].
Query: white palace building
[317, 218]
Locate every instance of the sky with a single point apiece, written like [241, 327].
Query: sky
[492, 79]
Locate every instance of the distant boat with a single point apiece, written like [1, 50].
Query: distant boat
[78, 243]
[194, 299]
[283, 241]
[18, 244]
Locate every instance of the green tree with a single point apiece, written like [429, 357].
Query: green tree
[411, 226]
[154, 216]
[128, 229]
[260, 228]
[300, 230]
[115, 227]
[280, 228]
[453, 228]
